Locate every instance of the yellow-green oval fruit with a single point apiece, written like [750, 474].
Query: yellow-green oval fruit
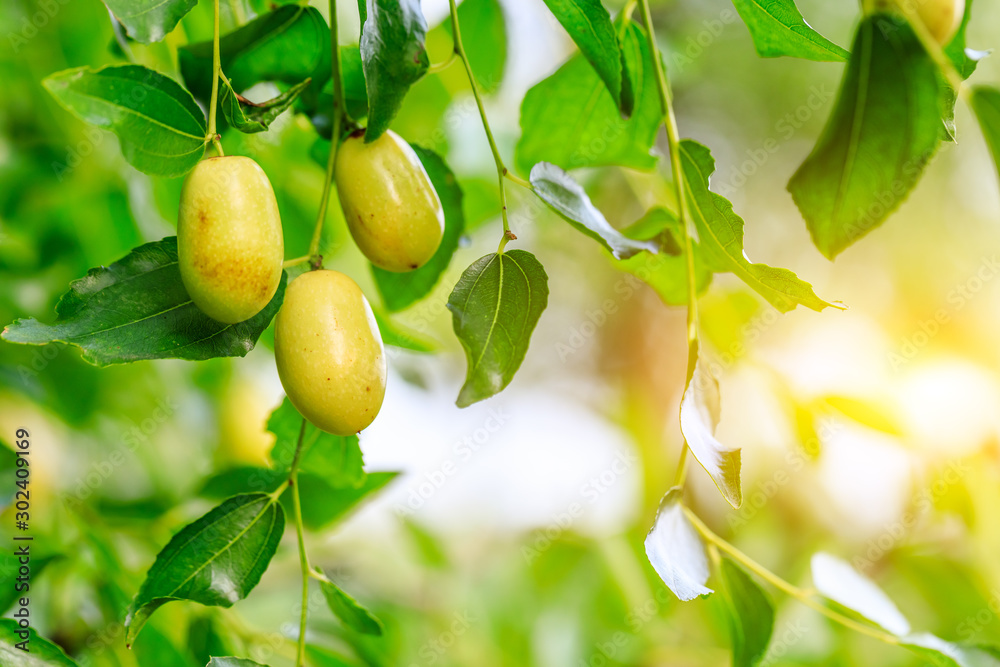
[941, 17]
[229, 242]
[329, 352]
[391, 208]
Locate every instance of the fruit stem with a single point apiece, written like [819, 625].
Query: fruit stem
[802, 595]
[338, 117]
[213, 135]
[293, 483]
[680, 187]
[501, 169]
[293, 262]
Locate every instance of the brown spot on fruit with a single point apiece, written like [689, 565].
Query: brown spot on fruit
[229, 238]
[389, 202]
[308, 377]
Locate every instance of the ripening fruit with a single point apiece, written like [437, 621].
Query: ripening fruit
[390, 205]
[942, 17]
[329, 352]
[243, 438]
[229, 238]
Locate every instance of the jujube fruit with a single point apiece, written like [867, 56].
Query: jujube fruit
[229, 239]
[391, 207]
[329, 352]
[941, 17]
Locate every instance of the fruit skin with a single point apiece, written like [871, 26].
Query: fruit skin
[329, 352]
[941, 17]
[229, 240]
[391, 208]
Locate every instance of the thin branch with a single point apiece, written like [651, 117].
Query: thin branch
[339, 112]
[501, 169]
[680, 187]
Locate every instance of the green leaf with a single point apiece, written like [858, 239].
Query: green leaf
[9, 564]
[484, 35]
[675, 550]
[356, 97]
[962, 58]
[233, 662]
[320, 656]
[208, 634]
[665, 271]
[40, 652]
[241, 479]
[137, 309]
[985, 103]
[589, 25]
[567, 198]
[215, 561]
[667, 275]
[568, 119]
[652, 224]
[398, 335]
[149, 20]
[335, 459]
[401, 290]
[347, 609]
[393, 56]
[778, 29]
[699, 417]
[949, 654]
[884, 129]
[162, 130]
[495, 306]
[964, 61]
[250, 117]
[155, 648]
[751, 614]
[837, 580]
[720, 238]
[362, 14]
[322, 505]
[289, 45]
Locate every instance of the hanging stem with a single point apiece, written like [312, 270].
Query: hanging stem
[293, 262]
[680, 187]
[715, 542]
[339, 112]
[803, 596]
[293, 483]
[501, 169]
[216, 71]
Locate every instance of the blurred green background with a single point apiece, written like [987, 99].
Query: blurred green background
[514, 535]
